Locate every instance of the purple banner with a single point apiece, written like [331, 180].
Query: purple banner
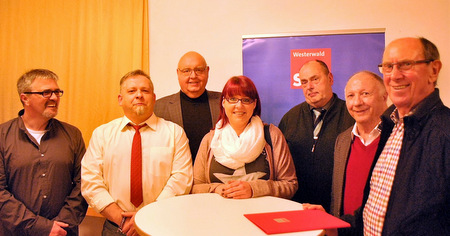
[271, 62]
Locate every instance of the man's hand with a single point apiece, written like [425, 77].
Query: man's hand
[307, 206]
[57, 229]
[128, 227]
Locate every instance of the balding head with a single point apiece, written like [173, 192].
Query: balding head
[416, 78]
[316, 82]
[365, 97]
[192, 74]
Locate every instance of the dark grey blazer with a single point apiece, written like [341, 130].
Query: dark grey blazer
[341, 154]
[169, 107]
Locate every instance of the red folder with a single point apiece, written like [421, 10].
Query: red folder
[295, 221]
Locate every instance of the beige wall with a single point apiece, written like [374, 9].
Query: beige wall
[215, 28]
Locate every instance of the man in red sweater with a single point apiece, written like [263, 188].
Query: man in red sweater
[355, 148]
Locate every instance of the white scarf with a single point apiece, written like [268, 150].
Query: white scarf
[233, 151]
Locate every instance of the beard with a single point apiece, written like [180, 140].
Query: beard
[50, 113]
[140, 110]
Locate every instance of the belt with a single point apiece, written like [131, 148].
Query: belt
[113, 224]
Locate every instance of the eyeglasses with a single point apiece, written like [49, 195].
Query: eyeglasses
[245, 101]
[197, 71]
[48, 93]
[401, 65]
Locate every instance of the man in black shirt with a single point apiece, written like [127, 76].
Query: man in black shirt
[310, 129]
[193, 107]
[40, 164]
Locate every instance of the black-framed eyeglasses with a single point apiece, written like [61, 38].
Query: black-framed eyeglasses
[48, 93]
[197, 71]
[245, 101]
[401, 65]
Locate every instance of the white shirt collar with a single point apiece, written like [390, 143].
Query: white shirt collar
[372, 135]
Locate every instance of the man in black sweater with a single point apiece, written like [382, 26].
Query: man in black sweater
[193, 108]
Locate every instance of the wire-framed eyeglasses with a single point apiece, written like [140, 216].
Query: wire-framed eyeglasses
[401, 65]
[197, 71]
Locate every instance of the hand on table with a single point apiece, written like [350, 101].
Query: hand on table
[235, 189]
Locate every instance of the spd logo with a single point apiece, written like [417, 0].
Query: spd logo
[301, 56]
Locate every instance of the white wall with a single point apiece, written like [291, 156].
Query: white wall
[214, 28]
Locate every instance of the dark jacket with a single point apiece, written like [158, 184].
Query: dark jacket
[419, 203]
[314, 169]
[169, 107]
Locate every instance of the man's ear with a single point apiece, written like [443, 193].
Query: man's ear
[435, 69]
[24, 98]
[119, 99]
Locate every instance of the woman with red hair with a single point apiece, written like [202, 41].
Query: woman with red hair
[242, 157]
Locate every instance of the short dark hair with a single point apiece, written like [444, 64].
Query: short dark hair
[430, 50]
[324, 65]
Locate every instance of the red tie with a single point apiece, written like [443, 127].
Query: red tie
[136, 168]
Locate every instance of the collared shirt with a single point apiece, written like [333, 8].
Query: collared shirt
[326, 108]
[382, 179]
[166, 163]
[40, 183]
[315, 113]
[374, 134]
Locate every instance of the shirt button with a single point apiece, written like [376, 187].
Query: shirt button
[43, 175]
[42, 154]
[45, 196]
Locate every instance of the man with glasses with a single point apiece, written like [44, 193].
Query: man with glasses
[193, 108]
[408, 192]
[310, 129]
[40, 160]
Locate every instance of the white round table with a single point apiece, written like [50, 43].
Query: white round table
[209, 214]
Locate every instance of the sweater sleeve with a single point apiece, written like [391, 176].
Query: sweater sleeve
[283, 180]
[202, 183]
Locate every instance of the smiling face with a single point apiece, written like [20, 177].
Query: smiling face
[192, 84]
[316, 84]
[365, 98]
[137, 98]
[36, 104]
[408, 88]
[239, 114]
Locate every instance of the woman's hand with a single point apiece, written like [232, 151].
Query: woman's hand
[219, 189]
[237, 190]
